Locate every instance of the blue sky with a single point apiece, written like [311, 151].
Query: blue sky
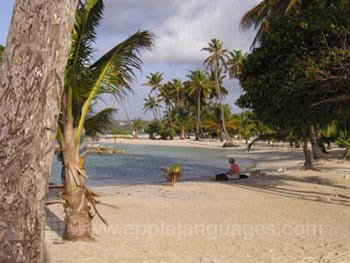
[182, 28]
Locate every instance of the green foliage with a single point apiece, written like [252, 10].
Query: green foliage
[137, 124]
[117, 131]
[276, 78]
[154, 128]
[167, 133]
[172, 174]
[152, 104]
[99, 122]
[344, 141]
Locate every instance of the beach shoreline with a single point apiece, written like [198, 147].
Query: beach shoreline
[290, 199]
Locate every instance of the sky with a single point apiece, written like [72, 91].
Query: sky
[182, 28]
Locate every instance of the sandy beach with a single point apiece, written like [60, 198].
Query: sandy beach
[289, 215]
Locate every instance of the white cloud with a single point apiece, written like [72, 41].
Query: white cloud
[182, 27]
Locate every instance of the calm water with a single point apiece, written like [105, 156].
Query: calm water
[144, 163]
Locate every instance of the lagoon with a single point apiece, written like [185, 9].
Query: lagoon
[142, 164]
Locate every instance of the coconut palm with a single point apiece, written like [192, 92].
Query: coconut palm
[84, 82]
[217, 58]
[165, 96]
[246, 126]
[98, 122]
[212, 121]
[137, 125]
[153, 105]
[234, 63]
[199, 88]
[155, 81]
[221, 77]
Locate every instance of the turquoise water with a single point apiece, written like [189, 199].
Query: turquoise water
[144, 163]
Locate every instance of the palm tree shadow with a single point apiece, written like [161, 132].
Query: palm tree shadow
[54, 228]
[280, 185]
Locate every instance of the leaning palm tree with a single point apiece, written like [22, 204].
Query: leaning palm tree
[212, 121]
[111, 73]
[155, 81]
[153, 105]
[199, 88]
[217, 58]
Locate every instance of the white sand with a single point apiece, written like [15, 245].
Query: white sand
[293, 216]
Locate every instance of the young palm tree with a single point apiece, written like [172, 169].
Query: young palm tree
[153, 105]
[155, 81]
[217, 58]
[111, 73]
[98, 122]
[199, 88]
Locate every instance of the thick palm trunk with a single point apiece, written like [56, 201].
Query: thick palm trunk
[30, 91]
[221, 105]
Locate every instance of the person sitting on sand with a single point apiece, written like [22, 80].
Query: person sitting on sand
[234, 170]
[233, 173]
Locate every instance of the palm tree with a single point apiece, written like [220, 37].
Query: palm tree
[212, 121]
[154, 81]
[111, 73]
[259, 16]
[234, 63]
[153, 105]
[223, 91]
[137, 124]
[98, 122]
[217, 57]
[166, 97]
[199, 88]
[246, 126]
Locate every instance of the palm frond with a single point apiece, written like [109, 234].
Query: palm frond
[99, 122]
[255, 16]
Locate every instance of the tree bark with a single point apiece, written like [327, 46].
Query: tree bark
[307, 155]
[228, 138]
[316, 150]
[31, 84]
[198, 115]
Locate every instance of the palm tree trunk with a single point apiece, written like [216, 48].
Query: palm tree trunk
[221, 104]
[30, 90]
[198, 115]
[307, 155]
[316, 150]
[77, 210]
[182, 136]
